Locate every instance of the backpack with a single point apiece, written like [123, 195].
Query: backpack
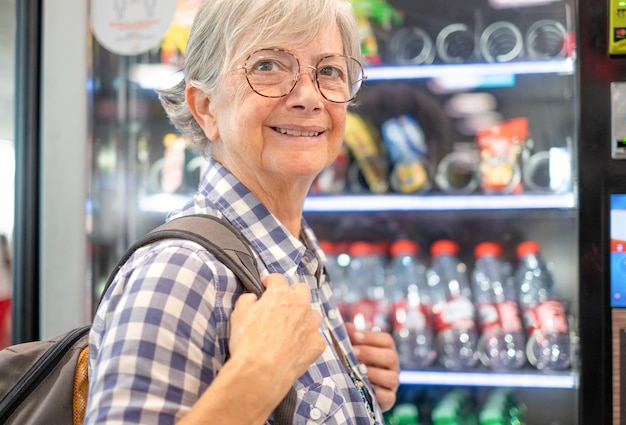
[46, 382]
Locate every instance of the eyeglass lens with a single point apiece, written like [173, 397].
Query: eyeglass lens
[274, 73]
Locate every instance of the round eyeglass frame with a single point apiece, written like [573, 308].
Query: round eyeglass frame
[297, 76]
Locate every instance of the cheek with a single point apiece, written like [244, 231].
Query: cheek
[232, 109]
[339, 125]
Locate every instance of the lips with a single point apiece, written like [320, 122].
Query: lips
[297, 133]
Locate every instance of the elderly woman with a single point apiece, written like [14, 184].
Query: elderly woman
[176, 339]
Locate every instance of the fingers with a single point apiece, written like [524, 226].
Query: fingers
[386, 398]
[386, 379]
[377, 351]
[281, 326]
[245, 301]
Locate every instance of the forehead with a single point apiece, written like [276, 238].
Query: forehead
[324, 41]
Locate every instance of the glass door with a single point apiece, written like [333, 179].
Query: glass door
[467, 132]
[469, 111]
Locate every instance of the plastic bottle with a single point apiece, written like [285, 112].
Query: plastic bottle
[548, 345]
[501, 408]
[412, 322]
[502, 343]
[371, 310]
[404, 414]
[455, 408]
[336, 267]
[453, 308]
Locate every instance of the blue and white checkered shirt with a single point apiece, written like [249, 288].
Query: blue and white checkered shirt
[161, 333]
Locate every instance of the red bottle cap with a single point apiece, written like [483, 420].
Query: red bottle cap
[404, 246]
[362, 248]
[444, 246]
[327, 246]
[527, 247]
[487, 248]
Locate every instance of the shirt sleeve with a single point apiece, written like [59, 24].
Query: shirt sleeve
[160, 335]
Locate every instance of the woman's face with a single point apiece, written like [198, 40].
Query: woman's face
[278, 143]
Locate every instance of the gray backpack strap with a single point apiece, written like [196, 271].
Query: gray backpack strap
[217, 236]
[221, 239]
[230, 247]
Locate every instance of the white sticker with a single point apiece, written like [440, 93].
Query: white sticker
[131, 27]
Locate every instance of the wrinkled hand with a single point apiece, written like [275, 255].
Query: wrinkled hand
[279, 331]
[377, 351]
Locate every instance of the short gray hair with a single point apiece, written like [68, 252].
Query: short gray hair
[224, 29]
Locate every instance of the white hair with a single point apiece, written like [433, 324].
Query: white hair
[225, 29]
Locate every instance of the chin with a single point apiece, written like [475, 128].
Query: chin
[301, 166]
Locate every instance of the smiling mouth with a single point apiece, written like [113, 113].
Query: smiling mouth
[297, 133]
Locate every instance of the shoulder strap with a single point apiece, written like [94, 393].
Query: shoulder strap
[229, 246]
[217, 236]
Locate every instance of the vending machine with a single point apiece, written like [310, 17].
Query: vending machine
[484, 121]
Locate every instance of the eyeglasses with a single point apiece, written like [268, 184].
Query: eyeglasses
[275, 72]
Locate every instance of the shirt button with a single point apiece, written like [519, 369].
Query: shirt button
[363, 369]
[315, 413]
[332, 313]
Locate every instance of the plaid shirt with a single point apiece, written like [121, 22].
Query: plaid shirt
[161, 333]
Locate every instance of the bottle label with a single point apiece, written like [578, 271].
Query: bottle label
[510, 316]
[488, 316]
[406, 316]
[457, 313]
[548, 316]
[368, 314]
[344, 310]
[504, 315]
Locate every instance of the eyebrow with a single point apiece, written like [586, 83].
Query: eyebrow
[316, 58]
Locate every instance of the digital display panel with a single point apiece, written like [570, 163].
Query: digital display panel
[618, 250]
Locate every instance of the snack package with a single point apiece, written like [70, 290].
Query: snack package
[500, 147]
[406, 144]
[333, 179]
[379, 13]
[362, 142]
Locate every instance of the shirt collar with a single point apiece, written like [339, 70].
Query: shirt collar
[221, 193]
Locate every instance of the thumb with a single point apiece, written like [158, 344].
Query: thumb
[245, 300]
[274, 279]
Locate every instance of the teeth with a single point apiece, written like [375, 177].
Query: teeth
[297, 133]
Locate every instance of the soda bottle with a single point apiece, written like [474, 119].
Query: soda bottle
[336, 268]
[501, 345]
[456, 332]
[412, 323]
[404, 414]
[548, 345]
[502, 408]
[371, 310]
[455, 408]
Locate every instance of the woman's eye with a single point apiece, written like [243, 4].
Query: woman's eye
[266, 65]
[331, 72]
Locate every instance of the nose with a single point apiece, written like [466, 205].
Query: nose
[312, 71]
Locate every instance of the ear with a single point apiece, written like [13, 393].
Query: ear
[199, 104]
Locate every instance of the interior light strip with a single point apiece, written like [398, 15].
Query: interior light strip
[488, 379]
[339, 203]
[443, 202]
[562, 66]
